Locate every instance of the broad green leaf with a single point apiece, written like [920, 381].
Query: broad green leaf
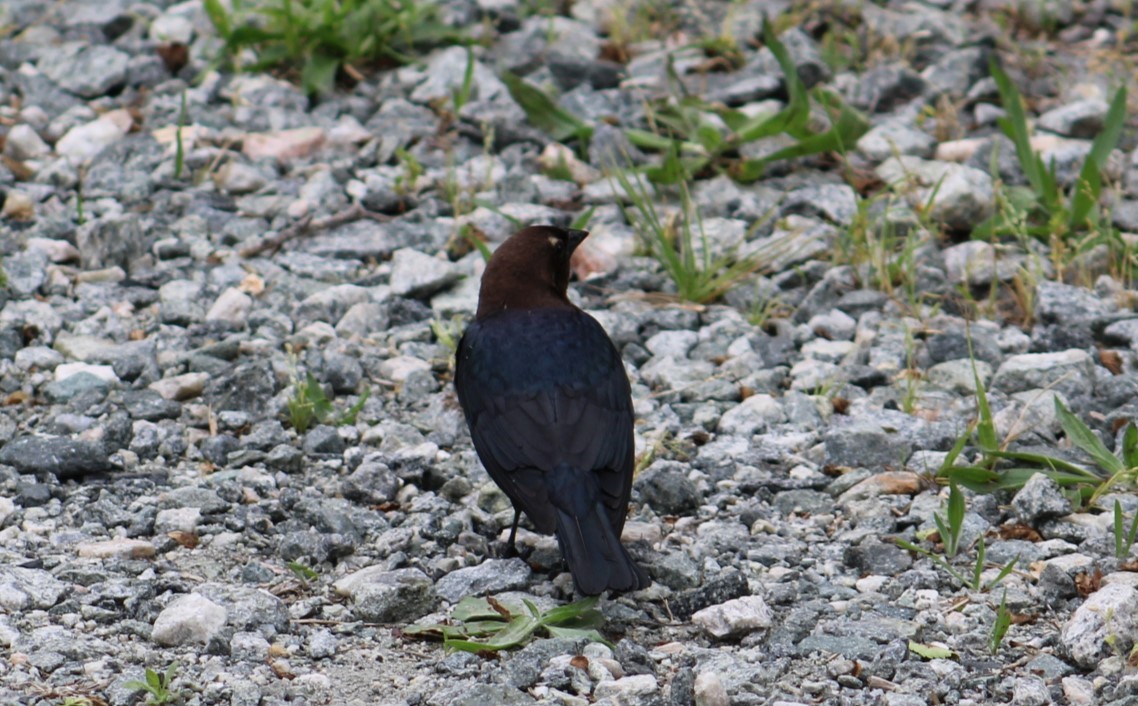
[1052, 464]
[475, 608]
[930, 651]
[319, 74]
[1130, 446]
[577, 634]
[571, 611]
[1081, 436]
[975, 478]
[544, 112]
[218, 17]
[249, 35]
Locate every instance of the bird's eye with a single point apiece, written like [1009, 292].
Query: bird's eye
[554, 241]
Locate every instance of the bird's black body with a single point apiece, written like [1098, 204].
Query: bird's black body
[547, 400]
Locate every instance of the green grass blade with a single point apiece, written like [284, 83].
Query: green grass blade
[1000, 626]
[1119, 530]
[1004, 571]
[955, 515]
[581, 222]
[986, 426]
[1081, 436]
[1015, 127]
[544, 112]
[1089, 185]
[978, 567]
[462, 94]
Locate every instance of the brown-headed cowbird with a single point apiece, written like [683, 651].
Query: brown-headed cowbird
[547, 400]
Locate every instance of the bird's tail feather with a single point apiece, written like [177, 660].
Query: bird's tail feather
[589, 543]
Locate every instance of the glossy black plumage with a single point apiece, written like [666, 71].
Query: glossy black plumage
[547, 400]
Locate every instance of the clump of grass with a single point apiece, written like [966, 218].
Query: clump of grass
[320, 38]
[486, 625]
[1043, 209]
[156, 685]
[699, 276]
[687, 130]
[1123, 537]
[950, 528]
[308, 405]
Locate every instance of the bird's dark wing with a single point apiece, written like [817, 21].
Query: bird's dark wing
[541, 388]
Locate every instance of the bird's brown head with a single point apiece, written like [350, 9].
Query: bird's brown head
[529, 271]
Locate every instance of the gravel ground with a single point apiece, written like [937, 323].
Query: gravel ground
[153, 490]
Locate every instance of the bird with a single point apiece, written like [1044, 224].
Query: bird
[549, 407]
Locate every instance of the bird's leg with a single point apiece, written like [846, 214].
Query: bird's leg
[511, 549]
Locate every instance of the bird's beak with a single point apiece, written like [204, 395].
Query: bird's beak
[574, 238]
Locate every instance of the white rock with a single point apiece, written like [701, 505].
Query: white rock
[56, 250]
[24, 143]
[626, 688]
[751, 416]
[734, 618]
[177, 519]
[190, 619]
[117, 548]
[709, 690]
[103, 372]
[233, 306]
[181, 387]
[398, 368]
[416, 274]
[83, 142]
[1109, 613]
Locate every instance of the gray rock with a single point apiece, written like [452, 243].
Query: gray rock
[1040, 498]
[878, 558]
[321, 644]
[251, 609]
[248, 646]
[491, 576]
[181, 302]
[865, 444]
[65, 458]
[894, 138]
[204, 499]
[734, 618]
[665, 487]
[81, 384]
[373, 483]
[379, 595]
[189, 619]
[87, 70]
[111, 241]
[1107, 621]
[28, 589]
[1081, 119]
[1069, 372]
[414, 274]
[323, 439]
[961, 196]
[753, 416]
